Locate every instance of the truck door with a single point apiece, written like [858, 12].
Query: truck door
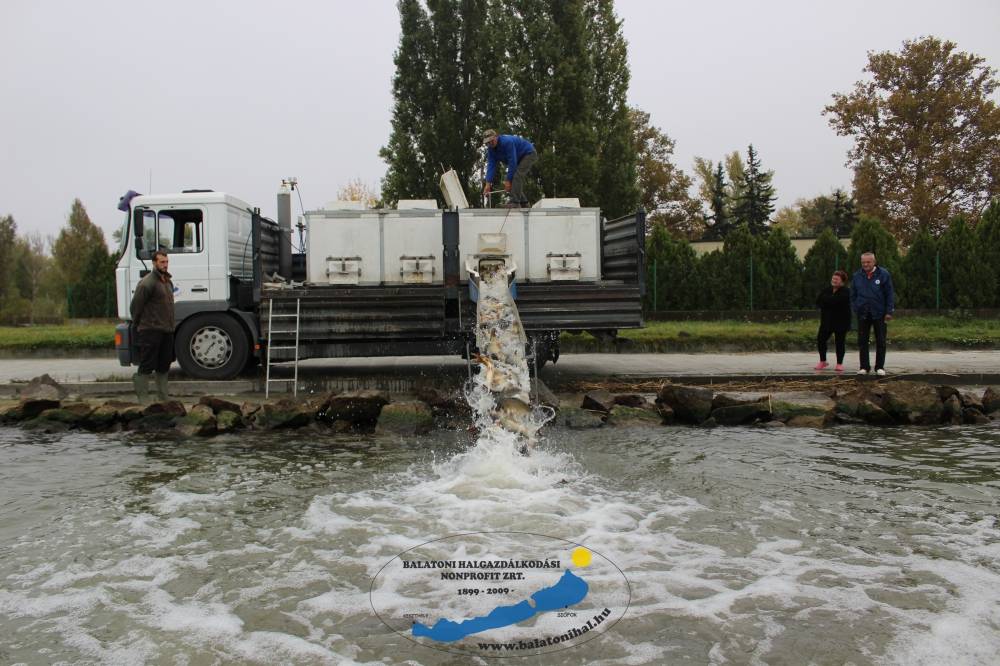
[180, 232]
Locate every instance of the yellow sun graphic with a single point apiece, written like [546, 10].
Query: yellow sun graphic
[580, 556]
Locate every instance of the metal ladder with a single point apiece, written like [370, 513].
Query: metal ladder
[270, 329]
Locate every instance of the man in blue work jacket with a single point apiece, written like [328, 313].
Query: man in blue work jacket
[873, 300]
[519, 156]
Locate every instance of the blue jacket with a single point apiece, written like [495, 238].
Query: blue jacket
[873, 296]
[509, 150]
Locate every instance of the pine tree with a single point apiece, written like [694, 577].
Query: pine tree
[756, 202]
[80, 255]
[720, 215]
[965, 279]
[919, 267]
[825, 256]
[844, 214]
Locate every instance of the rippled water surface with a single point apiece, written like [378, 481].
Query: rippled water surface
[741, 545]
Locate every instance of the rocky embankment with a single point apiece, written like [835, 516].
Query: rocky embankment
[44, 406]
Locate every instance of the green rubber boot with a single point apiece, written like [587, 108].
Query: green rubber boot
[141, 384]
[161, 386]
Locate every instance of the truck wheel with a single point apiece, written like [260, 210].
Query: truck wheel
[212, 346]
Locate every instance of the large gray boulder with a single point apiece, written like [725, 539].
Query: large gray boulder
[623, 415]
[198, 422]
[690, 404]
[578, 418]
[952, 411]
[991, 400]
[218, 404]
[42, 388]
[411, 417]
[172, 408]
[283, 413]
[912, 402]
[359, 407]
[741, 414]
[30, 408]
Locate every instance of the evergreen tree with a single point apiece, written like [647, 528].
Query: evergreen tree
[74, 244]
[742, 261]
[94, 294]
[617, 188]
[919, 268]
[712, 287]
[777, 272]
[443, 90]
[988, 233]
[870, 236]
[825, 256]
[965, 279]
[670, 265]
[409, 173]
[756, 202]
[552, 77]
[844, 214]
[8, 238]
[720, 215]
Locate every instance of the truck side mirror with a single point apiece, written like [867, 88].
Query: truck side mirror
[137, 228]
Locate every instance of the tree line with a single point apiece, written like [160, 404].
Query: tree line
[47, 279]
[959, 269]
[925, 126]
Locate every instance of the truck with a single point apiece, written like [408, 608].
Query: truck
[356, 281]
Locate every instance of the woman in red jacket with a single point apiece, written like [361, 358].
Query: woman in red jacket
[834, 304]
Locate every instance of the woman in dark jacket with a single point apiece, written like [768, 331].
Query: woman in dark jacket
[834, 304]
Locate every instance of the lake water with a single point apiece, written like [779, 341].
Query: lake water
[740, 545]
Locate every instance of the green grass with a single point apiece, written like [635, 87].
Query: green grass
[731, 335]
[98, 335]
[664, 336]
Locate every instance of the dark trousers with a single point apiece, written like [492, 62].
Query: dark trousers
[156, 351]
[865, 324]
[839, 338]
[517, 194]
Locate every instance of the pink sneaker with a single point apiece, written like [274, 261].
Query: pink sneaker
[821, 365]
[839, 367]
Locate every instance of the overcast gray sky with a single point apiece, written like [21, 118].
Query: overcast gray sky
[235, 95]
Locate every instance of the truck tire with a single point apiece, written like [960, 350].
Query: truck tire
[212, 346]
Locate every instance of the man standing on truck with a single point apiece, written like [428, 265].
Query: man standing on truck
[519, 156]
[153, 320]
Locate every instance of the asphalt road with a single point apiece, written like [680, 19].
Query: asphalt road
[570, 366]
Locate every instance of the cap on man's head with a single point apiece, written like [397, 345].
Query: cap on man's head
[489, 135]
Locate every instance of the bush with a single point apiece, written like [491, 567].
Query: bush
[966, 280]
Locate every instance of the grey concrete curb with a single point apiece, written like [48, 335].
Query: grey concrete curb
[396, 384]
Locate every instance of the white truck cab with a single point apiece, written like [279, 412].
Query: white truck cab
[206, 237]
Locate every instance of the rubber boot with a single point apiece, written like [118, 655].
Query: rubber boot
[141, 384]
[161, 386]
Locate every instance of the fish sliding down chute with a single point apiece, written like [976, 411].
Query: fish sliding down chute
[501, 341]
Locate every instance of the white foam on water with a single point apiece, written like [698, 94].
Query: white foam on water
[157, 531]
[169, 501]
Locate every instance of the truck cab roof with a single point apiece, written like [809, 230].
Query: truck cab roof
[189, 198]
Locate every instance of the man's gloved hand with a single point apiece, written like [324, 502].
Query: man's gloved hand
[506, 186]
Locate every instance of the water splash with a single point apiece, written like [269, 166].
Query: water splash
[500, 393]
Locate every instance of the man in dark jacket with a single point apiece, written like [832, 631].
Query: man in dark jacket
[518, 154]
[153, 319]
[873, 300]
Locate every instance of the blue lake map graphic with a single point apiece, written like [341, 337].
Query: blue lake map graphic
[570, 590]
